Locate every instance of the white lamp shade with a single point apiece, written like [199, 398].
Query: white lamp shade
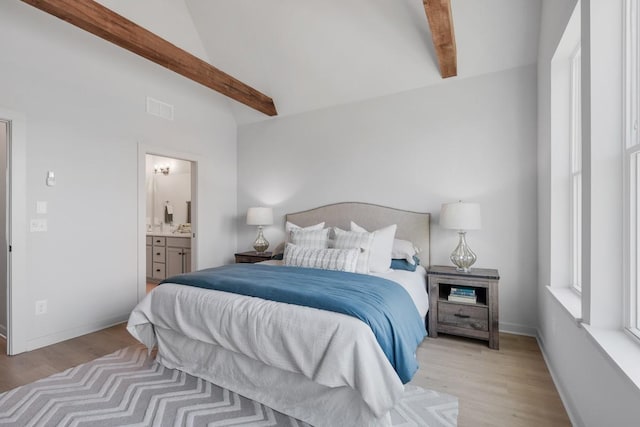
[461, 216]
[260, 216]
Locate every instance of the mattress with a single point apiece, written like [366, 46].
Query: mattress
[308, 363]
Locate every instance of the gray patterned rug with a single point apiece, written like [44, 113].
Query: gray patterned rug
[128, 388]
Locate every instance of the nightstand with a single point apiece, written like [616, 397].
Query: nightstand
[252, 257]
[469, 319]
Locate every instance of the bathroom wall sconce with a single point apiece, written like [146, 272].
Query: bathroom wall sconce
[163, 169]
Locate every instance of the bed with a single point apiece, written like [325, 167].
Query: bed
[322, 367]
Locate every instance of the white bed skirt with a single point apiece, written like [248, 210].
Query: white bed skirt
[287, 392]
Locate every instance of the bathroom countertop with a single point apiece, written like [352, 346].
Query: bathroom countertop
[168, 234]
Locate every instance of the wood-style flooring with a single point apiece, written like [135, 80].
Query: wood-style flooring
[507, 387]
[510, 387]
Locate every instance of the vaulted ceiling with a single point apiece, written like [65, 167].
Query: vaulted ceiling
[309, 55]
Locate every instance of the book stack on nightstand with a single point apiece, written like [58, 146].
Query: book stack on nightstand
[466, 295]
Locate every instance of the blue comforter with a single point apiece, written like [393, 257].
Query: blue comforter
[382, 304]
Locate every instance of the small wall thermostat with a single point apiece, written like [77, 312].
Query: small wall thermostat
[51, 178]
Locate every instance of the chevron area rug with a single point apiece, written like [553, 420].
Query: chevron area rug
[127, 388]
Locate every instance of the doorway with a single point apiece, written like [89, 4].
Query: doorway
[167, 206]
[4, 245]
[15, 231]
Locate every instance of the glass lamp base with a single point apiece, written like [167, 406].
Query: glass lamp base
[261, 244]
[462, 256]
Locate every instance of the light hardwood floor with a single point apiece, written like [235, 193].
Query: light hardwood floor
[510, 387]
[507, 387]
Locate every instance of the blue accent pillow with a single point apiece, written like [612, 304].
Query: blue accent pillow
[403, 264]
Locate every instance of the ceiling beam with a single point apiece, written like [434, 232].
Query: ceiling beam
[444, 39]
[108, 25]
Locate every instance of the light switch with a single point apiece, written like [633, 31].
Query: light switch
[51, 178]
[41, 207]
[38, 225]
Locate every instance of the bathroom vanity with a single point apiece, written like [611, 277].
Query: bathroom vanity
[168, 254]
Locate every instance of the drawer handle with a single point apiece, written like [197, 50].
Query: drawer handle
[462, 316]
[157, 253]
[158, 270]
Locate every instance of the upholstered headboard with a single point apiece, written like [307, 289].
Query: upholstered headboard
[412, 226]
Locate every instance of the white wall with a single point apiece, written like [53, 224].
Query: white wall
[594, 389]
[471, 139]
[84, 102]
[169, 19]
[3, 236]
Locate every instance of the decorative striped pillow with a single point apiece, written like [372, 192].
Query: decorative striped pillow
[327, 259]
[353, 239]
[313, 239]
[289, 227]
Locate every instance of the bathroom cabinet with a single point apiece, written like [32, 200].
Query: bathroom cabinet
[168, 255]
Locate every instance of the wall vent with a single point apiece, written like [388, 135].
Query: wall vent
[159, 108]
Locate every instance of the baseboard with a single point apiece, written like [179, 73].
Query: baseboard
[514, 328]
[75, 332]
[573, 415]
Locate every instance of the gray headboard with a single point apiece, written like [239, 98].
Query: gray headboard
[412, 226]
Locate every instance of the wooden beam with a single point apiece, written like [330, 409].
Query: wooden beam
[444, 40]
[108, 25]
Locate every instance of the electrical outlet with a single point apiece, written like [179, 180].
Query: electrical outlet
[41, 207]
[38, 225]
[41, 307]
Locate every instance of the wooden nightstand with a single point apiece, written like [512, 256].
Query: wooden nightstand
[252, 257]
[475, 320]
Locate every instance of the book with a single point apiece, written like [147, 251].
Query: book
[459, 298]
[462, 291]
[463, 296]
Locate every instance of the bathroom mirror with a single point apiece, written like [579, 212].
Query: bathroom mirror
[168, 183]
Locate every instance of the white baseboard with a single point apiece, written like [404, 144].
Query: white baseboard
[573, 415]
[514, 328]
[75, 332]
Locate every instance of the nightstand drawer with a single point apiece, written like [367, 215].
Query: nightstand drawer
[463, 315]
[159, 241]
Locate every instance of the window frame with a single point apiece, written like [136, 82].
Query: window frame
[575, 175]
[631, 166]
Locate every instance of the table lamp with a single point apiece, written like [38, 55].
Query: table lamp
[260, 217]
[462, 217]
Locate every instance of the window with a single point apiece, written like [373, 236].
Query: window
[576, 172]
[631, 166]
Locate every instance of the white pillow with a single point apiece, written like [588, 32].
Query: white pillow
[314, 239]
[381, 250]
[327, 259]
[353, 239]
[289, 227]
[403, 249]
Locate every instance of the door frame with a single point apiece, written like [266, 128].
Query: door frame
[18, 307]
[143, 150]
